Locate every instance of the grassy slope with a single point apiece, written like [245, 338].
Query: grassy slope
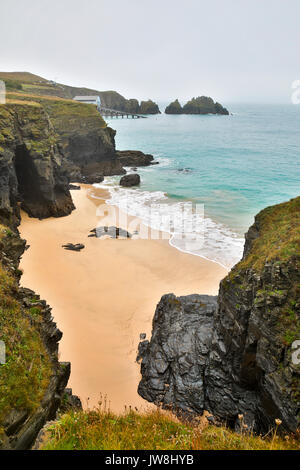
[64, 113]
[25, 375]
[103, 430]
[34, 84]
[279, 238]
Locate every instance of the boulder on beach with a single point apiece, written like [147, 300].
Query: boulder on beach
[72, 247]
[130, 180]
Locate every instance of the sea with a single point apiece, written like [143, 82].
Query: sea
[214, 174]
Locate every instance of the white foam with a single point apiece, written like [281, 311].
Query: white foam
[191, 231]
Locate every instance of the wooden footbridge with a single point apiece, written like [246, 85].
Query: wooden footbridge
[116, 113]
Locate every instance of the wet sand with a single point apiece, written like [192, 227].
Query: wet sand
[105, 296]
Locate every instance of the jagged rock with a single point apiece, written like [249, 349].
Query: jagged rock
[130, 180]
[72, 247]
[70, 401]
[174, 361]
[149, 107]
[203, 105]
[134, 158]
[239, 359]
[200, 105]
[30, 166]
[174, 108]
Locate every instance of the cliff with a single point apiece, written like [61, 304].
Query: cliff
[234, 356]
[200, 105]
[31, 172]
[86, 145]
[32, 381]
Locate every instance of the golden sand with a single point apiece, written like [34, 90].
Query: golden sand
[105, 296]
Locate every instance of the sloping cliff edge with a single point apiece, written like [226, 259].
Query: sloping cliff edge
[233, 354]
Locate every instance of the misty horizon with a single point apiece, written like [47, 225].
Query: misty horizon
[232, 52]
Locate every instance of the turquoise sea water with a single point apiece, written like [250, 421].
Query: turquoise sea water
[235, 165]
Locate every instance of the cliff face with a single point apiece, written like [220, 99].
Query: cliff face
[30, 165]
[87, 144]
[84, 146]
[32, 381]
[240, 362]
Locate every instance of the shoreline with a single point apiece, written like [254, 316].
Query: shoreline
[105, 296]
[226, 246]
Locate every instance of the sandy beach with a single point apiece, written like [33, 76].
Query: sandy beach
[105, 296]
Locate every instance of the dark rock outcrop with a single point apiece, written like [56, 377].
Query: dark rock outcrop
[200, 105]
[73, 247]
[240, 360]
[31, 170]
[174, 361]
[149, 107]
[86, 143]
[174, 108]
[130, 180]
[203, 105]
[134, 158]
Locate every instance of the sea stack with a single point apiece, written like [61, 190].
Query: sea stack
[200, 105]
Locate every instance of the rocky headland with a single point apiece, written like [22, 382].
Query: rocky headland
[45, 143]
[200, 105]
[232, 355]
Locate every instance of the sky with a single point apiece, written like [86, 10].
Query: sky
[232, 50]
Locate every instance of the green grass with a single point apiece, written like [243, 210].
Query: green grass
[64, 113]
[279, 238]
[26, 374]
[155, 430]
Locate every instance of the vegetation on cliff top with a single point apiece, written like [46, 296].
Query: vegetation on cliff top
[279, 235]
[31, 83]
[200, 105]
[59, 108]
[104, 430]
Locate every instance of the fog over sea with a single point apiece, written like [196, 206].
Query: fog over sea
[233, 165]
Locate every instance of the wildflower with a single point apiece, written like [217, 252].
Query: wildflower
[278, 422]
[240, 417]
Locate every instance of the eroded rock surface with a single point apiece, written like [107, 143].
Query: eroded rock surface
[31, 171]
[130, 180]
[237, 359]
[173, 363]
